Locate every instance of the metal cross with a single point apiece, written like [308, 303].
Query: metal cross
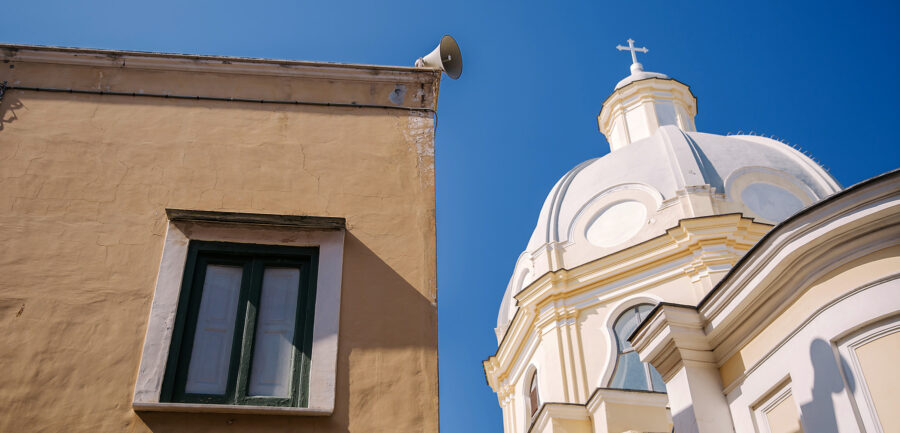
[631, 48]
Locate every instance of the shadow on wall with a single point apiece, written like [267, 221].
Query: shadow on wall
[386, 367]
[8, 106]
[819, 415]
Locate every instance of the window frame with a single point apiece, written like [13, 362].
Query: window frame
[619, 355]
[325, 233]
[851, 368]
[253, 258]
[534, 396]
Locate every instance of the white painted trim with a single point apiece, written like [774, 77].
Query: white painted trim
[839, 221]
[531, 375]
[847, 348]
[806, 323]
[551, 411]
[626, 396]
[744, 176]
[228, 408]
[761, 410]
[825, 180]
[614, 313]
[858, 308]
[323, 360]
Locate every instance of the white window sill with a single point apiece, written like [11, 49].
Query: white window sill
[228, 408]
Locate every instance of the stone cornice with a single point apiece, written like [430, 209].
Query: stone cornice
[217, 64]
[214, 79]
[854, 222]
[634, 267]
[672, 336]
[555, 411]
[551, 411]
[625, 396]
[293, 221]
[642, 91]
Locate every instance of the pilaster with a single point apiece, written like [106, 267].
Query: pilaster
[672, 340]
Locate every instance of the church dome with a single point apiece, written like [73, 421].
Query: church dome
[673, 160]
[660, 170]
[637, 192]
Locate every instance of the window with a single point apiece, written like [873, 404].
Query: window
[534, 401]
[253, 239]
[630, 372]
[243, 330]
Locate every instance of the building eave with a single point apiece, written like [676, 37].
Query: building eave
[219, 64]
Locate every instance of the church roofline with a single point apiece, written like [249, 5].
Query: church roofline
[656, 239]
[774, 232]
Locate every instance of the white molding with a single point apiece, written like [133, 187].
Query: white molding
[749, 370]
[792, 358]
[323, 360]
[865, 406]
[761, 410]
[742, 177]
[619, 275]
[864, 220]
[626, 396]
[551, 411]
[228, 408]
[614, 313]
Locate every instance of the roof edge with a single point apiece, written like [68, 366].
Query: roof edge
[211, 63]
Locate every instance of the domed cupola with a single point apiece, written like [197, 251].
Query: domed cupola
[643, 102]
[660, 171]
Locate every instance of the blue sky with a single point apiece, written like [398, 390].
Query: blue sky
[822, 75]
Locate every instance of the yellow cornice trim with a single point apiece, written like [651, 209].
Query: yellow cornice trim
[680, 241]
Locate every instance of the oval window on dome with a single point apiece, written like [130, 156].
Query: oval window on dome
[770, 202]
[616, 223]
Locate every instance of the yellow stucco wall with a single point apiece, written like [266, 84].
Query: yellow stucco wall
[85, 180]
[835, 283]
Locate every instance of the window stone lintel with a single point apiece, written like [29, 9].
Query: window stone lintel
[295, 221]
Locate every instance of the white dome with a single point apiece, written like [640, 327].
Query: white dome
[606, 204]
[707, 158]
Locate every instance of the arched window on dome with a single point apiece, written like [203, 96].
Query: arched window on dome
[533, 400]
[630, 372]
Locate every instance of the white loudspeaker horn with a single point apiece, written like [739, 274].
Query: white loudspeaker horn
[445, 57]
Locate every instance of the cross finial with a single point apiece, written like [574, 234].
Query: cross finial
[631, 47]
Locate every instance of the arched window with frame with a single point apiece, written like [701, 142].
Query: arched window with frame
[534, 400]
[630, 372]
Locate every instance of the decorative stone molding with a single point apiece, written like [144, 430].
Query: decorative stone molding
[185, 226]
[849, 224]
[671, 337]
[638, 109]
[699, 247]
[551, 412]
[617, 410]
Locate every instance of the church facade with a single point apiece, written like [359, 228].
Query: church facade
[203, 244]
[693, 282]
